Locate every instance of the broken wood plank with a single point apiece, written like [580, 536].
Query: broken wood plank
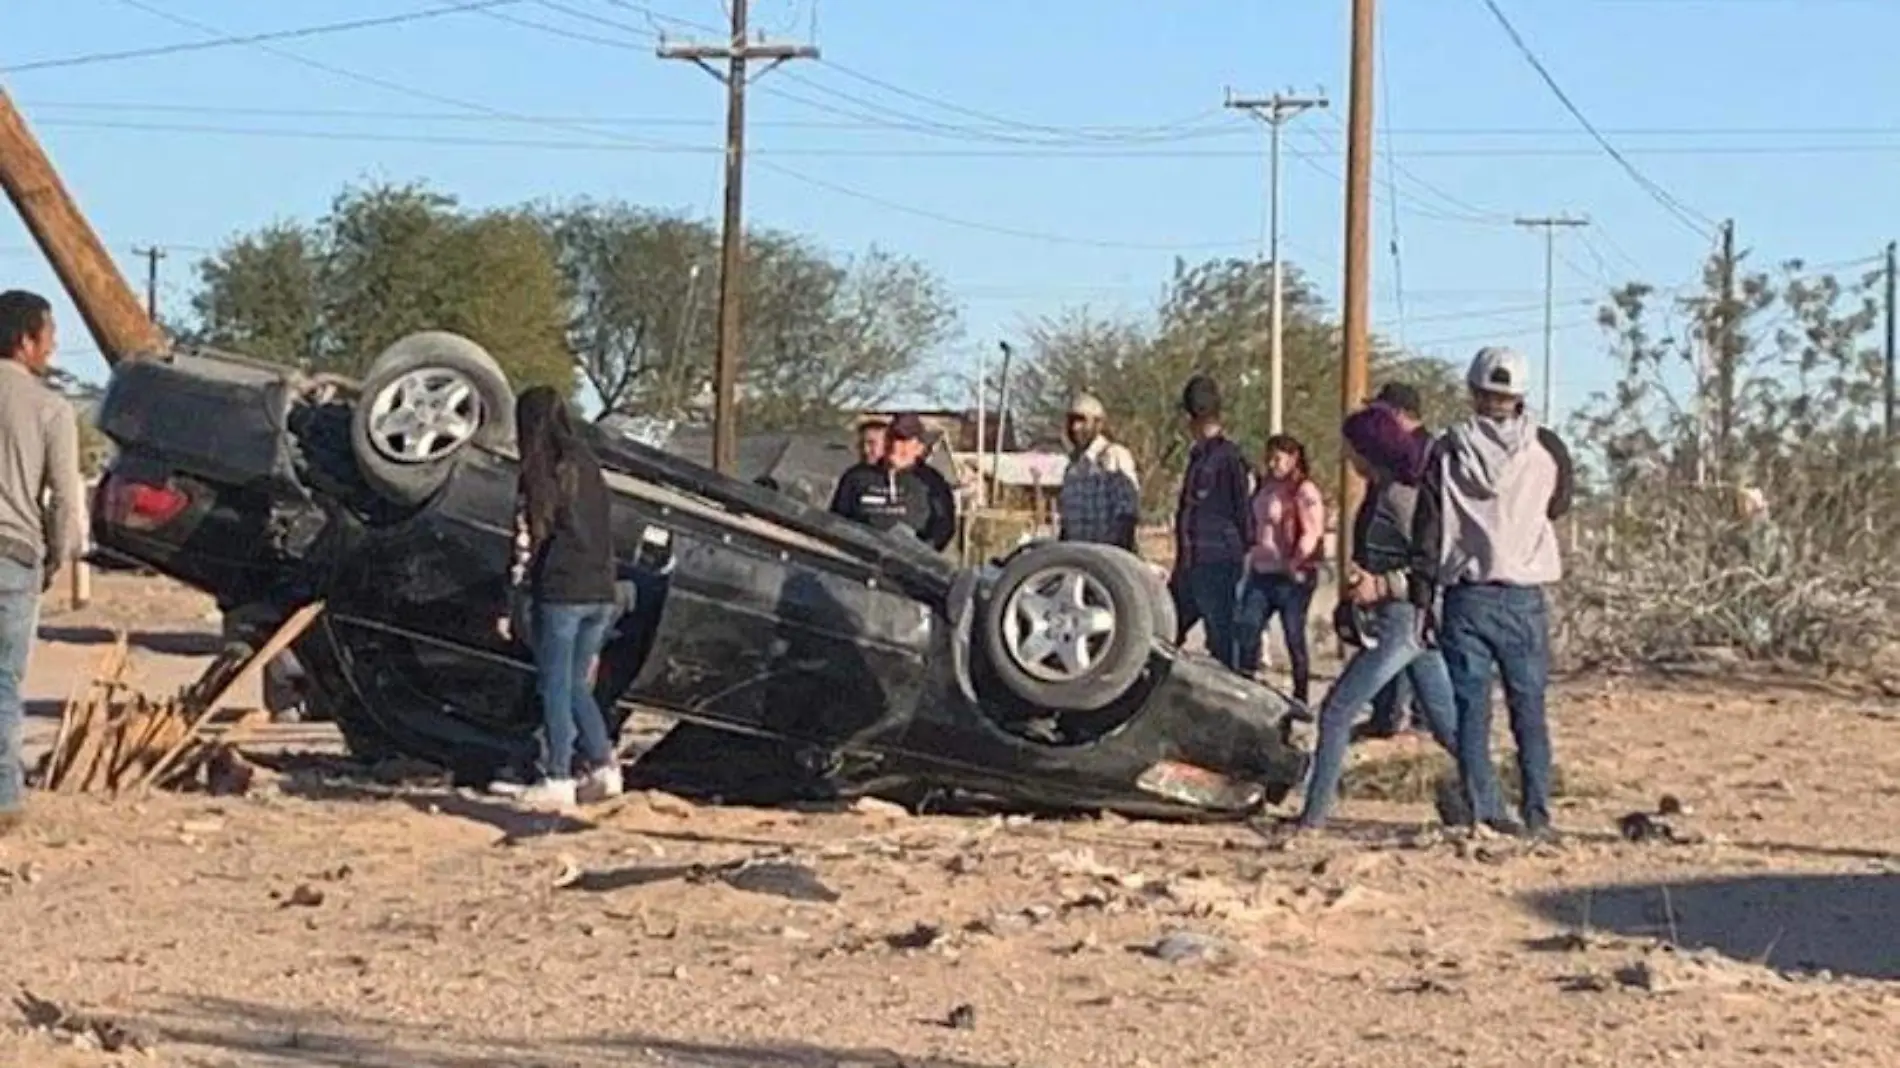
[290, 631]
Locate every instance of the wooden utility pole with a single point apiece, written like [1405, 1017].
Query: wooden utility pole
[1725, 351]
[97, 287]
[1887, 423]
[1275, 110]
[152, 256]
[1550, 224]
[1356, 325]
[736, 53]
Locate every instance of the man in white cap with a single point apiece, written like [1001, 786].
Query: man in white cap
[1484, 539]
[1100, 500]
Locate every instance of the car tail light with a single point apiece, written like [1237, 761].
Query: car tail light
[142, 505]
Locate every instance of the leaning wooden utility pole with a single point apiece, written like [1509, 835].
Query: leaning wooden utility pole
[106, 301]
[732, 233]
[1356, 325]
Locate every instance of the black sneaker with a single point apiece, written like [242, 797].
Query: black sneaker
[1507, 827]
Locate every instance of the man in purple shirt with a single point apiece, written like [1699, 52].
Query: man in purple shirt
[1213, 524]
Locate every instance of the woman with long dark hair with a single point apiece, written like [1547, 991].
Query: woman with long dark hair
[564, 567]
[1289, 521]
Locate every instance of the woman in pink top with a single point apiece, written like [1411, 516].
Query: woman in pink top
[1283, 566]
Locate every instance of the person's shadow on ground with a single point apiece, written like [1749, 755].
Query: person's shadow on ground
[1835, 922]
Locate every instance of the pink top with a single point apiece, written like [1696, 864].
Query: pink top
[1291, 521]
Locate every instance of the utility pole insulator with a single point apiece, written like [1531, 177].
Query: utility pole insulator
[736, 53]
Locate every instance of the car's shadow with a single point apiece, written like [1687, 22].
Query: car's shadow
[1834, 922]
[162, 642]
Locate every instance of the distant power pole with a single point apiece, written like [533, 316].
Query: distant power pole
[1356, 311]
[152, 256]
[1275, 111]
[1890, 398]
[1550, 224]
[736, 53]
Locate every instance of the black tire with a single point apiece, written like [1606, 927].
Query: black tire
[1108, 575]
[1166, 618]
[408, 469]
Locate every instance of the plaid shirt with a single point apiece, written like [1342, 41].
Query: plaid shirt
[1101, 493]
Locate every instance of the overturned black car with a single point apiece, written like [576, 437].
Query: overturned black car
[800, 655]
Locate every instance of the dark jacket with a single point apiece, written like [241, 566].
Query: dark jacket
[1213, 523]
[917, 498]
[574, 563]
[1382, 528]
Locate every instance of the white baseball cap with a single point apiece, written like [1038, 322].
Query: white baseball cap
[1499, 369]
[1086, 406]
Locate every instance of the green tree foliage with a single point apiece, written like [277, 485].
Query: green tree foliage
[1213, 318]
[384, 262]
[1765, 381]
[821, 336]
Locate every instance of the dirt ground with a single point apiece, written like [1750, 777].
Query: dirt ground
[326, 921]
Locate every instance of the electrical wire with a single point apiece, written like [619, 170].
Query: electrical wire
[233, 40]
[798, 176]
[687, 122]
[1701, 224]
[610, 139]
[860, 108]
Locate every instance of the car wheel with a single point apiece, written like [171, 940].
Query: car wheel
[1068, 626]
[425, 399]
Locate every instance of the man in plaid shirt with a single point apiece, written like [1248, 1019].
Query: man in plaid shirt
[1100, 500]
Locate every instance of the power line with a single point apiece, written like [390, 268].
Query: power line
[1701, 224]
[1192, 134]
[1044, 135]
[231, 40]
[613, 141]
[656, 146]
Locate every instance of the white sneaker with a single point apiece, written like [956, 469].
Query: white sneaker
[548, 794]
[601, 784]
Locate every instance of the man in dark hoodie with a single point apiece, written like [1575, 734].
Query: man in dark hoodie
[1390, 706]
[1389, 456]
[1484, 541]
[1213, 524]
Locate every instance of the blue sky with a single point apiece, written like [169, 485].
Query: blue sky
[1039, 155]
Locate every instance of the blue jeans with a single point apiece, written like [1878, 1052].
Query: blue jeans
[1265, 596]
[19, 624]
[567, 638]
[1393, 707]
[1206, 594]
[1509, 627]
[1395, 626]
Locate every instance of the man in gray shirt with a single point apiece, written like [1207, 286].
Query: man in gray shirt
[1483, 537]
[42, 512]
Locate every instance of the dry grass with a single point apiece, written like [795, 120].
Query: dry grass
[1424, 776]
